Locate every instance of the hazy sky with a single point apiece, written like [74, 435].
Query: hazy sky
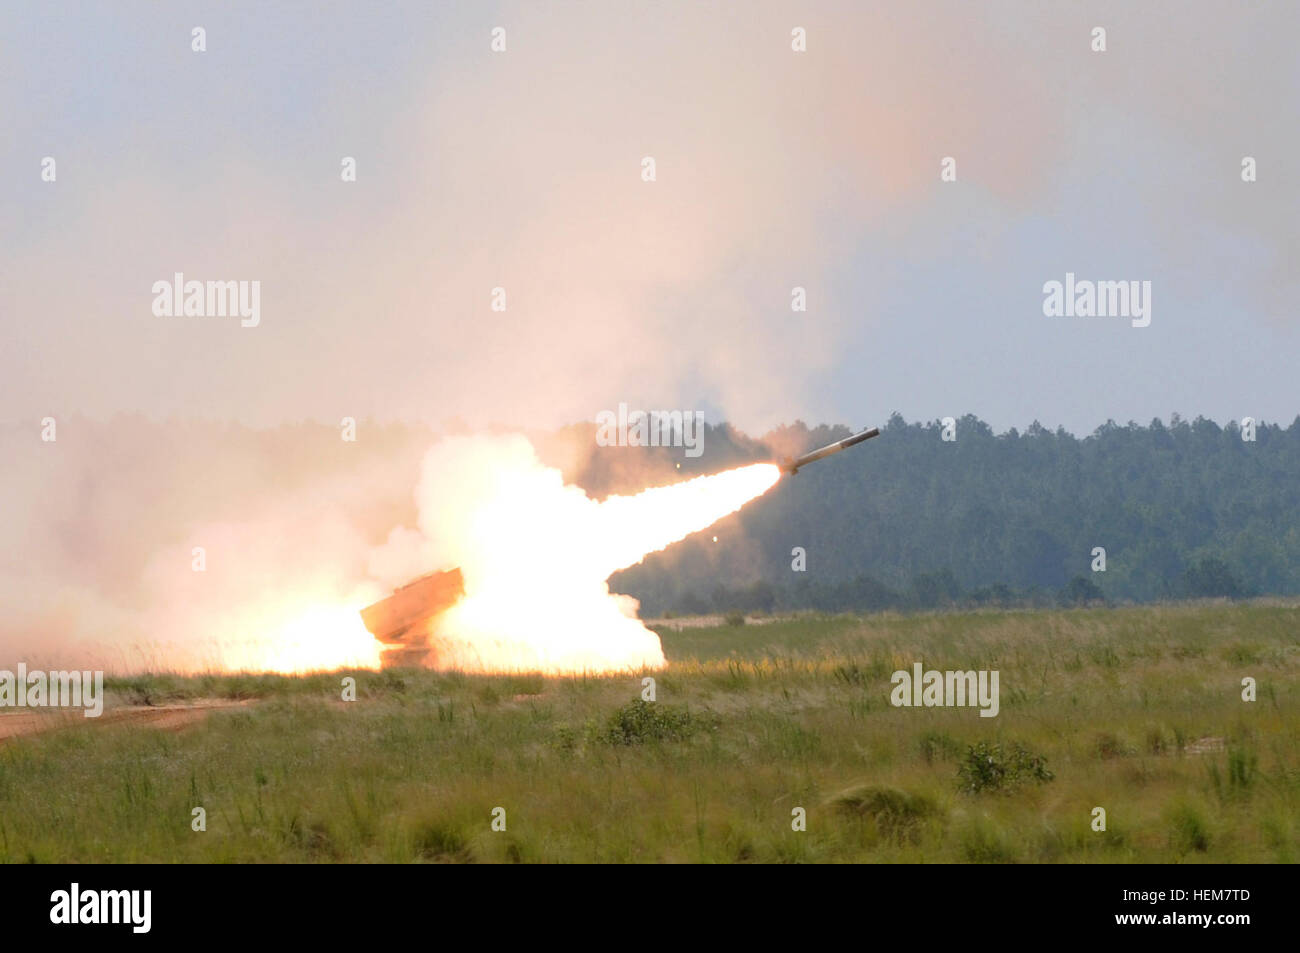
[775, 169]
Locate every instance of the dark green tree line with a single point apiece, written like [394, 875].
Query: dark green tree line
[1182, 510]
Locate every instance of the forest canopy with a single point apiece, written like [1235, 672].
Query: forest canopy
[1181, 509]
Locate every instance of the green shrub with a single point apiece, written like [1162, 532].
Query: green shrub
[987, 767]
[639, 721]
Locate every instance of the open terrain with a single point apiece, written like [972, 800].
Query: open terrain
[1135, 710]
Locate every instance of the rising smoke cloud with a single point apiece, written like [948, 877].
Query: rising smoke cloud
[521, 170]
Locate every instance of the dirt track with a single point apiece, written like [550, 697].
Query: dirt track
[16, 724]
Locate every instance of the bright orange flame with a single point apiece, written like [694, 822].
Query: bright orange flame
[536, 554]
[542, 603]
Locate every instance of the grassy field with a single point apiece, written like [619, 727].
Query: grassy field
[1137, 710]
